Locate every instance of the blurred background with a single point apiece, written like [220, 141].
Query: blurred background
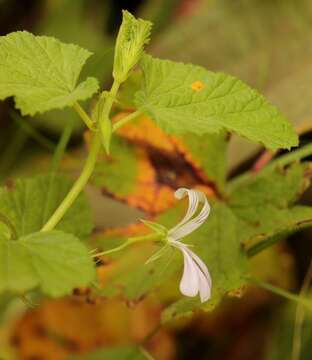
[267, 43]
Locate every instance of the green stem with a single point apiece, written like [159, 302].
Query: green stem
[90, 162]
[279, 162]
[84, 116]
[289, 158]
[131, 241]
[126, 119]
[149, 237]
[110, 251]
[61, 146]
[58, 154]
[78, 186]
[274, 238]
[106, 110]
[283, 293]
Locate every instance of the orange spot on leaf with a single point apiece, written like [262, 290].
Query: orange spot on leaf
[197, 85]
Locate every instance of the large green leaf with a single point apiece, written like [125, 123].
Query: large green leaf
[54, 261]
[264, 204]
[186, 98]
[206, 153]
[249, 42]
[66, 21]
[114, 353]
[42, 72]
[28, 203]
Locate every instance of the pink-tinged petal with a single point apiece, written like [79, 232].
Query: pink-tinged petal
[193, 198]
[189, 285]
[188, 227]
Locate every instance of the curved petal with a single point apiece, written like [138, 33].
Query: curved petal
[204, 286]
[201, 265]
[191, 225]
[189, 285]
[193, 198]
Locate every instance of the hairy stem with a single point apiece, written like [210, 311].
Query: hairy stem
[78, 186]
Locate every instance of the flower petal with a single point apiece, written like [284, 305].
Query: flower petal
[189, 285]
[183, 229]
[204, 286]
[201, 265]
[193, 198]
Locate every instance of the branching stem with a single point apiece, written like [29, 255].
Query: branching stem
[87, 171]
[84, 116]
[126, 119]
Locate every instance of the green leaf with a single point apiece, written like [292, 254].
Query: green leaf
[207, 153]
[264, 205]
[5, 300]
[186, 98]
[114, 353]
[133, 35]
[54, 261]
[118, 172]
[42, 72]
[28, 203]
[278, 187]
[66, 21]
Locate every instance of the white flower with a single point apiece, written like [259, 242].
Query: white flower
[196, 278]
